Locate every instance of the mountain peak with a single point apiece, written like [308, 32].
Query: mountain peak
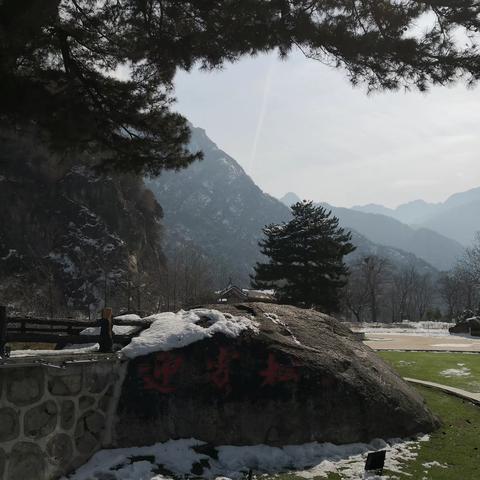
[290, 198]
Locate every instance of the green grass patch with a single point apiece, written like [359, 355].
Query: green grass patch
[455, 445]
[452, 453]
[430, 365]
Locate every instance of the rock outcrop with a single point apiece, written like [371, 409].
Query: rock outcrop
[63, 229]
[302, 377]
[470, 326]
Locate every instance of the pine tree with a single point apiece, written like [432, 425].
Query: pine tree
[305, 265]
[58, 60]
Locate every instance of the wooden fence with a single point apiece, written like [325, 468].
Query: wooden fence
[63, 331]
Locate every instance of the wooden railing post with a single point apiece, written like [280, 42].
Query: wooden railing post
[3, 329]
[106, 331]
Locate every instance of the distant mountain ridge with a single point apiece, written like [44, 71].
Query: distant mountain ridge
[216, 205]
[458, 217]
[438, 250]
[396, 256]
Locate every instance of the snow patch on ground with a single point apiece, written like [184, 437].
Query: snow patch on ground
[434, 464]
[404, 328]
[128, 317]
[74, 349]
[175, 330]
[456, 372]
[117, 330]
[308, 461]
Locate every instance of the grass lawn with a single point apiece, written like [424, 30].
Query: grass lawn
[460, 370]
[456, 445]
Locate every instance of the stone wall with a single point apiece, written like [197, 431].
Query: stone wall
[54, 415]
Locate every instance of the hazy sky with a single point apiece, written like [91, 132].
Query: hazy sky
[299, 126]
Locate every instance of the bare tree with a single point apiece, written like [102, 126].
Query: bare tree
[374, 269]
[188, 279]
[422, 295]
[467, 277]
[365, 287]
[355, 295]
[451, 288]
[400, 293]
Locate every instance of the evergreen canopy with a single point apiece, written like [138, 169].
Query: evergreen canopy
[305, 264]
[57, 59]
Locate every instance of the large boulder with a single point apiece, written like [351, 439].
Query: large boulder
[300, 377]
[470, 326]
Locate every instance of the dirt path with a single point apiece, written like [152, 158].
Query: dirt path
[438, 343]
[458, 392]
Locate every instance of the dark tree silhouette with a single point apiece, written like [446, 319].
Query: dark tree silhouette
[305, 258]
[57, 59]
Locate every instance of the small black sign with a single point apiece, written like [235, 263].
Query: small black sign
[375, 462]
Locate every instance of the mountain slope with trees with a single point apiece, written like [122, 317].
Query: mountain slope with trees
[216, 205]
[460, 222]
[61, 86]
[436, 249]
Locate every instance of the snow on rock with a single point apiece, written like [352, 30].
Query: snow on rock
[175, 330]
[274, 318]
[178, 457]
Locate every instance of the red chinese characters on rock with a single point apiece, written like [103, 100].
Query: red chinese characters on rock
[277, 373]
[158, 376]
[159, 373]
[220, 368]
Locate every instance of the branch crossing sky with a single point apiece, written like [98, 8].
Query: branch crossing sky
[300, 126]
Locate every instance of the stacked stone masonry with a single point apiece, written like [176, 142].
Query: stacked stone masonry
[53, 417]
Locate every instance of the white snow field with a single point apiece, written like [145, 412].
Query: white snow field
[177, 457]
[405, 328]
[422, 336]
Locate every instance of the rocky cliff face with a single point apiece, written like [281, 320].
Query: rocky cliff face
[70, 239]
